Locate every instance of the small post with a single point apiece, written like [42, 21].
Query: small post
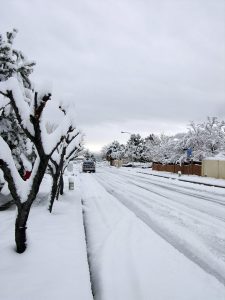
[71, 183]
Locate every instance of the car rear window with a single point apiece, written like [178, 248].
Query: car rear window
[88, 163]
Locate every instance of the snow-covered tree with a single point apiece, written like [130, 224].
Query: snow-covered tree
[115, 150]
[205, 139]
[88, 155]
[150, 148]
[167, 150]
[14, 63]
[135, 148]
[70, 147]
[32, 121]
[29, 109]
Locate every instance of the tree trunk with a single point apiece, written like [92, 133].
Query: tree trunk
[53, 192]
[58, 190]
[61, 185]
[20, 228]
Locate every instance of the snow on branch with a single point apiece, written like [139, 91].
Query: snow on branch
[3, 102]
[12, 90]
[54, 134]
[74, 146]
[20, 188]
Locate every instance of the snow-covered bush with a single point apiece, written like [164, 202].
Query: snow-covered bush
[205, 139]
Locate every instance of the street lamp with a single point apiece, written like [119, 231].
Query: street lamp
[126, 132]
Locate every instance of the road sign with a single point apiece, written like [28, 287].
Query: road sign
[189, 152]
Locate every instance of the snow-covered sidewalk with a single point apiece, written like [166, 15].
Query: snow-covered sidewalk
[187, 178]
[54, 266]
[129, 261]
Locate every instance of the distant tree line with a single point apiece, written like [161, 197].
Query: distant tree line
[202, 140]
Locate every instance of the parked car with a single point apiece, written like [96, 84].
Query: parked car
[88, 166]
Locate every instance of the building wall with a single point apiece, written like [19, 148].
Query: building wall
[213, 168]
[117, 163]
[222, 169]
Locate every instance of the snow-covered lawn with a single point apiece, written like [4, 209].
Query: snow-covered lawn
[147, 238]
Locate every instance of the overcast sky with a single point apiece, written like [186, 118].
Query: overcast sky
[140, 66]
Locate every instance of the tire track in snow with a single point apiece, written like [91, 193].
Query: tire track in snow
[211, 209]
[108, 233]
[171, 206]
[180, 244]
[221, 218]
[180, 189]
[86, 241]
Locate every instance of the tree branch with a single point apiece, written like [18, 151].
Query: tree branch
[18, 116]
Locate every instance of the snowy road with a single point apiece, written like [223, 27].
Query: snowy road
[191, 219]
[136, 223]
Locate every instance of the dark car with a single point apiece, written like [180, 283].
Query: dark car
[88, 166]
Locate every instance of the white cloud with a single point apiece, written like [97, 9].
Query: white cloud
[135, 62]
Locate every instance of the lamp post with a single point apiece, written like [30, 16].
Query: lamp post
[126, 132]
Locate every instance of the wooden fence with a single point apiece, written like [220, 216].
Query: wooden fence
[190, 169]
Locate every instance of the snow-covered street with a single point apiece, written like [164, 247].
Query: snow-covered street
[141, 238]
[190, 218]
[152, 237]
[112, 150]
